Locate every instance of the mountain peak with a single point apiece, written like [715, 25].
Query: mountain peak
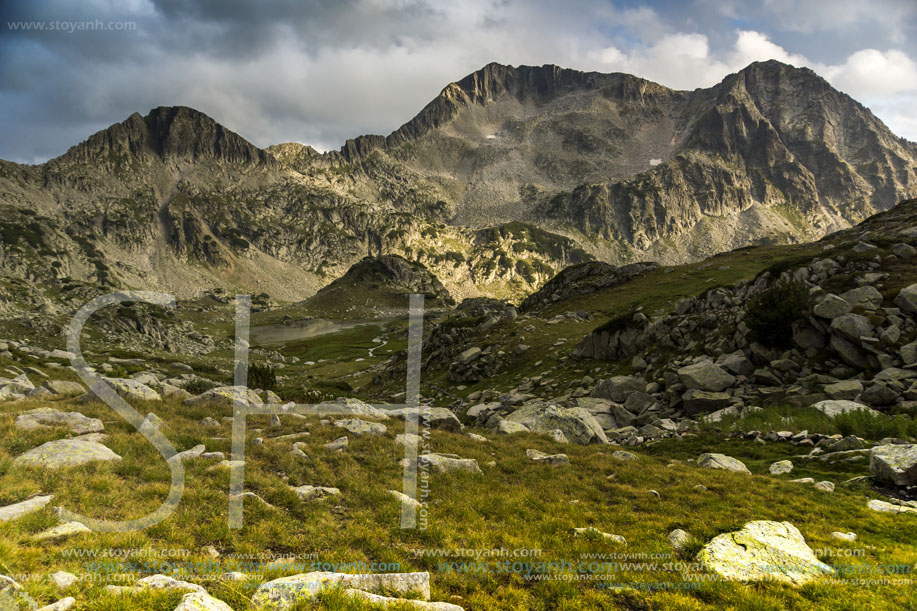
[170, 133]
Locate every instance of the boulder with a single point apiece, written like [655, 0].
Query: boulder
[308, 493]
[17, 510]
[287, 592]
[577, 424]
[554, 460]
[201, 601]
[44, 417]
[763, 551]
[852, 327]
[721, 461]
[886, 507]
[867, 297]
[895, 465]
[781, 467]
[706, 375]
[618, 388]
[389, 601]
[832, 408]
[508, 427]
[844, 390]
[907, 299]
[64, 388]
[831, 306]
[438, 418]
[701, 401]
[361, 427]
[225, 396]
[445, 463]
[736, 363]
[66, 453]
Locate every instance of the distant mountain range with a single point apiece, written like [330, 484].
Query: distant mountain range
[508, 176]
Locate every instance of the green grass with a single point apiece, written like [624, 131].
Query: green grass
[516, 504]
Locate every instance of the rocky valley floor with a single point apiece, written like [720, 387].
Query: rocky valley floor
[737, 433]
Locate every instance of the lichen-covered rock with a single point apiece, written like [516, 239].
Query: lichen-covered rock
[578, 425]
[555, 460]
[66, 453]
[308, 493]
[388, 601]
[706, 375]
[907, 299]
[832, 408]
[63, 530]
[361, 427]
[201, 601]
[721, 461]
[763, 551]
[781, 467]
[446, 463]
[894, 464]
[225, 396]
[284, 593]
[438, 418]
[17, 510]
[130, 390]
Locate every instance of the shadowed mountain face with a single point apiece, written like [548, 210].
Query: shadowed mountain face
[507, 176]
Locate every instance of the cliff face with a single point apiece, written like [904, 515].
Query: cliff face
[507, 176]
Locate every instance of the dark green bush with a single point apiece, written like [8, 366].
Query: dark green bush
[771, 313]
[198, 386]
[261, 376]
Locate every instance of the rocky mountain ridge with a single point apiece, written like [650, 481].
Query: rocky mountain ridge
[508, 176]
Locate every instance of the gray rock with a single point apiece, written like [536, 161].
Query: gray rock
[844, 390]
[44, 417]
[833, 408]
[679, 539]
[825, 486]
[64, 388]
[707, 376]
[831, 307]
[63, 579]
[763, 551]
[781, 467]
[909, 353]
[66, 453]
[338, 445]
[578, 425]
[201, 601]
[17, 510]
[447, 463]
[907, 299]
[852, 327]
[438, 418]
[701, 401]
[904, 251]
[721, 461]
[618, 388]
[886, 507]
[309, 493]
[284, 593]
[736, 363]
[225, 396]
[555, 460]
[623, 455]
[894, 464]
[509, 427]
[361, 427]
[389, 601]
[865, 296]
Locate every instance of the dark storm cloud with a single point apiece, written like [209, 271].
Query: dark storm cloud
[321, 71]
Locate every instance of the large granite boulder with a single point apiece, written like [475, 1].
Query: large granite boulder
[763, 551]
[894, 464]
[577, 424]
[66, 453]
[44, 417]
[721, 461]
[287, 592]
[706, 375]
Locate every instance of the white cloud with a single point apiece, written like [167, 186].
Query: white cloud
[871, 73]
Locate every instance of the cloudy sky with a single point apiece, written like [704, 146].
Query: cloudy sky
[321, 71]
